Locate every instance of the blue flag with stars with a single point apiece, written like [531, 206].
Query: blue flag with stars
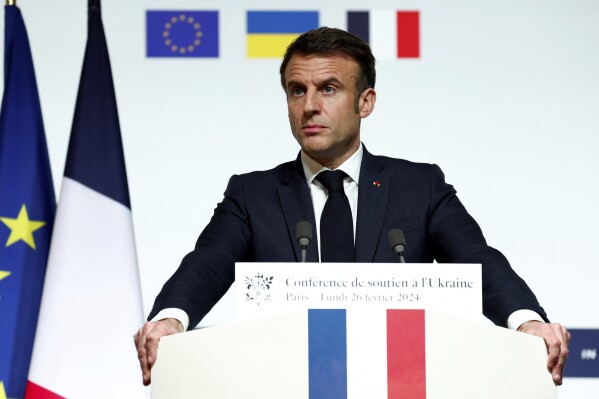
[27, 207]
[182, 34]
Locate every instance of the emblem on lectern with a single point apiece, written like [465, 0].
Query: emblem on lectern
[258, 288]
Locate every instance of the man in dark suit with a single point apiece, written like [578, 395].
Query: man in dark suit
[329, 78]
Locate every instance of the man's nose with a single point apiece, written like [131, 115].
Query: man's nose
[312, 103]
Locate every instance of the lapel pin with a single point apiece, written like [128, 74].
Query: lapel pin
[376, 183]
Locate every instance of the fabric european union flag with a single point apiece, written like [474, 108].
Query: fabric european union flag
[182, 33]
[27, 207]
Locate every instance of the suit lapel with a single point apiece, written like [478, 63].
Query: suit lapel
[296, 203]
[373, 192]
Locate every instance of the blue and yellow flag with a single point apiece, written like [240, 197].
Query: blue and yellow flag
[270, 32]
[27, 207]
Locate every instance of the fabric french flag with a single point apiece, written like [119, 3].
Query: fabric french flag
[386, 360]
[391, 34]
[91, 303]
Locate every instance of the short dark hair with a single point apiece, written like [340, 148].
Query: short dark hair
[333, 42]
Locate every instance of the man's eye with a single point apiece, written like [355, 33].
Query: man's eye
[328, 89]
[297, 91]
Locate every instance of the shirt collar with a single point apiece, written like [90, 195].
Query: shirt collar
[351, 166]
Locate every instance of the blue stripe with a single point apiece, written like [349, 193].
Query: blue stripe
[95, 156]
[358, 23]
[281, 21]
[327, 353]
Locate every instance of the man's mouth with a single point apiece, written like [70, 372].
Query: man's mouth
[313, 128]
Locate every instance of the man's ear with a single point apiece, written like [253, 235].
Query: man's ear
[366, 102]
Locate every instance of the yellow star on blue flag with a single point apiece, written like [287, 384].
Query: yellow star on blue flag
[3, 275]
[22, 228]
[2, 391]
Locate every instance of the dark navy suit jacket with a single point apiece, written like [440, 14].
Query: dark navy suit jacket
[257, 218]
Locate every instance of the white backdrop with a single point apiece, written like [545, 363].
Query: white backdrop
[505, 98]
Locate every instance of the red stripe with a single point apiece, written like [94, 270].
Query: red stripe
[406, 368]
[408, 34]
[34, 391]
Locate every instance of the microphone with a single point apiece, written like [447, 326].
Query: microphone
[397, 242]
[303, 235]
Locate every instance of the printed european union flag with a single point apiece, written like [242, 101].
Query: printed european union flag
[182, 33]
[27, 207]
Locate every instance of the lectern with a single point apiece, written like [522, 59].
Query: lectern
[362, 354]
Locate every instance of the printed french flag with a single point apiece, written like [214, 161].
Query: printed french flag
[347, 361]
[355, 353]
[391, 34]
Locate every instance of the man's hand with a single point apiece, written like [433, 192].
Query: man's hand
[146, 342]
[557, 339]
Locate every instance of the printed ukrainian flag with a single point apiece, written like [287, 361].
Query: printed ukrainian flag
[270, 32]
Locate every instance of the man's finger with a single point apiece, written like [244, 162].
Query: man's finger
[553, 350]
[142, 355]
[558, 370]
[146, 349]
[564, 337]
[151, 348]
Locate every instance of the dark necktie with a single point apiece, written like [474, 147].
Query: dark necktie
[336, 225]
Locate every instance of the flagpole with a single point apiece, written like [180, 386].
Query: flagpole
[11, 2]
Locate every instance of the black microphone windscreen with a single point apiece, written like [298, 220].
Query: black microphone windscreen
[303, 230]
[396, 238]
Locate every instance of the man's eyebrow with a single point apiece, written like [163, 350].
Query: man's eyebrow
[330, 80]
[293, 83]
[323, 82]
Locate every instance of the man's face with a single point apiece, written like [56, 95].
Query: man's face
[322, 109]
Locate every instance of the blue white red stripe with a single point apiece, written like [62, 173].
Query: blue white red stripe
[390, 33]
[350, 354]
[91, 297]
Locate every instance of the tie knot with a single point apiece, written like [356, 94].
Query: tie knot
[332, 180]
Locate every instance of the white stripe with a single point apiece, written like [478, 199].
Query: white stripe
[91, 304]
[383, 34]
[366, 354]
